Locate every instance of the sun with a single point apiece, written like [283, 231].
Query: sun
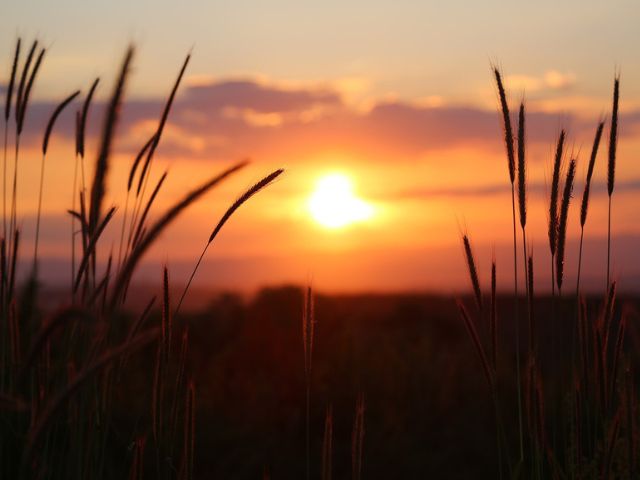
[333, 203]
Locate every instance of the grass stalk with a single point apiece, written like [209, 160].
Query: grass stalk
[225, 217]
[611, 165]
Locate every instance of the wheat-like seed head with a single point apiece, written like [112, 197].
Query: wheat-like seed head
[522, 172]
[555, 186]
[473, 271]
[587, 186]
[562, 222]
[12, 82]
[613, 137]
[506, 121]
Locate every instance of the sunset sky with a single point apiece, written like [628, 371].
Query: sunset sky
[388, 107]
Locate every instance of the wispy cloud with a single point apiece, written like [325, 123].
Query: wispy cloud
[231, 118]
[548, 81]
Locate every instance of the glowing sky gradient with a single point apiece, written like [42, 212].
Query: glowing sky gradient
[396, 95]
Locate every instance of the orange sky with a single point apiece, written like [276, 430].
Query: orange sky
[424, 153]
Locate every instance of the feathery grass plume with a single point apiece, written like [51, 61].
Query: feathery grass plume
[81, 126]
[522, 172]
[473, 271]
[613, 137]
[522, 186]
[12, 80]
[506, 121]
[59, 399]
[109, 126]
[24, 91]
[78, 141]
[585, 197]
[587, 185]
[81, 133]
[156, 229]
[357, 438]
[308, 328]
[562, 223]
[91, 247]
[611, 165]
[493, 317]
[163, 120]
[23, 81]
[522, 208]
[45, 146]
[473, 333]
[54, 117]
[146, 168]
[555, 187]
[230, 211]
[7, 114]
[27, 90]
[553, 204]
[189, 432]
[243, 198]
[327, 445]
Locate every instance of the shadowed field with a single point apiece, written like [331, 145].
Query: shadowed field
[428, 410]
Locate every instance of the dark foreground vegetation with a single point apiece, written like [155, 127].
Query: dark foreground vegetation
[427, 411]
[295, 386]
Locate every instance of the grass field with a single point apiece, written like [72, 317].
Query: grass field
[292, 383]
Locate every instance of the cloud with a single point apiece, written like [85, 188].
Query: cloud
[235, 118]
[539, 189]
[548, 81]
[262, 98]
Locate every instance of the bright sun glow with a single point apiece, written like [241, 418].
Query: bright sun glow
[333, 203]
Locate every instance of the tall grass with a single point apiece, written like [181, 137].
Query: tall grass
[611, 165]
[580, 409]
[59, 372]
[511, 166]
[553, 205]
